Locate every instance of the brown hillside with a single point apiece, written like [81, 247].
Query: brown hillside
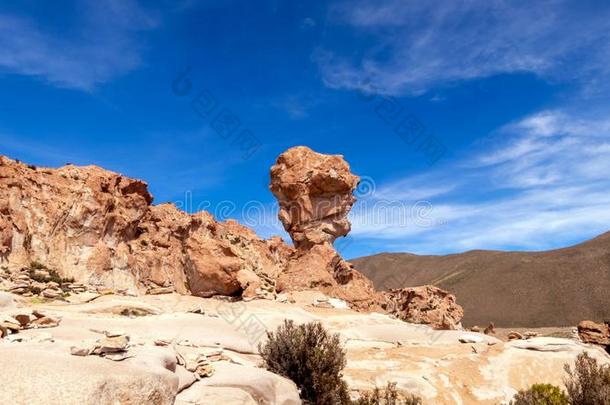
[513, 289]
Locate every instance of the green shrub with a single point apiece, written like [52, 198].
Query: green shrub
[53, 275]
[312, 358]
[588, 383]
[541, 394]
[387, 396]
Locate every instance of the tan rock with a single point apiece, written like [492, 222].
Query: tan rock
[111, 345]
[59, 378]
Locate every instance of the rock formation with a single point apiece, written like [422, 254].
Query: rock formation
[426, 305]
[98, 231]
[594, 333]
[315, 194]
[100, 228]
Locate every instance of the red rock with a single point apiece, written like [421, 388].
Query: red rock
[594, 333]
[100, 228]
[427, 305]
[314, 192]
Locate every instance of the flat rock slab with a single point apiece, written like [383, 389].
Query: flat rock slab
[38, 375]
[263, 386]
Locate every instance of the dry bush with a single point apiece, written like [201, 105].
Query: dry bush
[312, 358]
[541, 394]
[588, 383]
[387, 396]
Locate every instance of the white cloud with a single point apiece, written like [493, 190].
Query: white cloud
[102, 46]
[552, 191]
[422, 44]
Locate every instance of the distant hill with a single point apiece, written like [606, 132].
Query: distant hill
[513, 289]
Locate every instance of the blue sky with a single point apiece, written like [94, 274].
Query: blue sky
[515, 96]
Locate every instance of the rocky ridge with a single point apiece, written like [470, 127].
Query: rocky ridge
[99, 231]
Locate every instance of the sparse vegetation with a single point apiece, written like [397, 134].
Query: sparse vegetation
[53, 275]
[388, 396]
[314, 359]
[541, 394]
[588, 383]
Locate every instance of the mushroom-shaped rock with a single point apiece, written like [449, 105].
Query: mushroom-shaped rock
[314, 192]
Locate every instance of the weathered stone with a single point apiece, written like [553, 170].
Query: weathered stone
[100, 228]
[44, 322]
[315, 195]
[512, 335]
[490, 329]
[427, 305]
[111, 345]
[594, 333]
[52, 294]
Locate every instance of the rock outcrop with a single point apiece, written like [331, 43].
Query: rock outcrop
[594, 333]
[97, 231]
[315, 194]
[425, 305]
[100, 228]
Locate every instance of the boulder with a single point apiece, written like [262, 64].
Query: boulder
[202, 395]
[594, 333]
[262, 385]
[428, 305]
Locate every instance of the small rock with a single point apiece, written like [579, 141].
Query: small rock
[162, 342]
[161, 290]
[197, 310]
[51, 294]
[44, 322]
[23, 319]
[471, 338]
[490, 329]
[199, 364]
[515, 336]
[79, 351]
[475, 329]
[118, 356]
[111, 345]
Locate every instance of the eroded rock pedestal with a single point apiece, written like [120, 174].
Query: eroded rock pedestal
[315, 194]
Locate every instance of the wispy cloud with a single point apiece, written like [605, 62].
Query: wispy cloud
[422, 44]
[103, 45]
[541, 185]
